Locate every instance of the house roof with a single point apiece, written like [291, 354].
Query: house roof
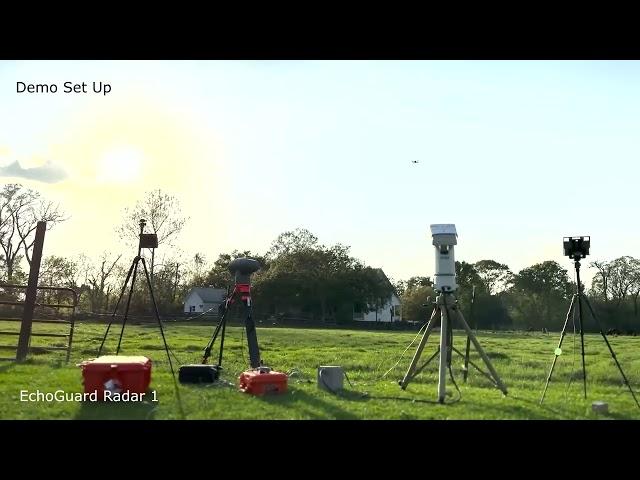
[385, 279]
[210, 295]
[383, 276]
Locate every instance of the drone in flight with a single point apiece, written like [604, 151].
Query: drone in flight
[415, 161]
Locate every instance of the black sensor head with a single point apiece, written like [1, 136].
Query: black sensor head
[576, 247]
[242, 268]
[148, 240]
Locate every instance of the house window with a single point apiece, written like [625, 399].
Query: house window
[192, 308]
[396, 310]
[200, 306]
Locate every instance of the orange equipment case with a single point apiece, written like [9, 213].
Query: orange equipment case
[130, 374]
[263, 380]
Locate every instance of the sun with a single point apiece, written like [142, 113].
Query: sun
[120, 165]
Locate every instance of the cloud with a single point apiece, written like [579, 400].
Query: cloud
[48, 173]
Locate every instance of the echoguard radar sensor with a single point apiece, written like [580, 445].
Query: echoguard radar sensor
[446, 311]
[444, 238]
[576, 247]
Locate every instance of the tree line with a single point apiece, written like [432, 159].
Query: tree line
[536, 297]
[300, 275]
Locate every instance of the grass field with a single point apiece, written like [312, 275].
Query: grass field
[521, 359]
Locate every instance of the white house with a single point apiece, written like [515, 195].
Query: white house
[389, 311]
[200, 300]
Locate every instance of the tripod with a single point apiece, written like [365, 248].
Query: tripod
[146, 241]
[447, 309]
[244, 292]
[577, 300]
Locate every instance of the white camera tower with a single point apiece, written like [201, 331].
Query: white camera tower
[446, 308]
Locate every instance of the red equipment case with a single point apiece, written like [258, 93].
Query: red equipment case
[263, 380]
[127, 374]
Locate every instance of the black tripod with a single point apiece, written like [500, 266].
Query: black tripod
[146, 241]
[578, 299]
[243, 291]
[242, 268]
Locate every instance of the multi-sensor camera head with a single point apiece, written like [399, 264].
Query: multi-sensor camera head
[444, 238]
[242, 268]
[576, 247]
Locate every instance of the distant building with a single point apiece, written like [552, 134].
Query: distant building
[200, 300]
[389, 309]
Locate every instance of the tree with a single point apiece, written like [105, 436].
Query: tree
[219, 275]
[199, 262]
[540, 293]
[616, 282]
[634, 289]
[164, 218]
[20, 211]
[58, 272]
[415, 303]
[600, 282]
[419, 282]
[61, 272]
[467, 278]
[325, 281]
[291, 242]
[621, 278]
[99, 277]
[166, 285]
[496, 277]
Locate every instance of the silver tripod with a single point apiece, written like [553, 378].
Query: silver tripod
[447, 310]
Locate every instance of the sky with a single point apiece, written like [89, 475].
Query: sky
[517, 154]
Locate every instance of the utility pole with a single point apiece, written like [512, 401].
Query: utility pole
[175, 283]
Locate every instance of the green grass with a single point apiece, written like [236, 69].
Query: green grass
[521, 359]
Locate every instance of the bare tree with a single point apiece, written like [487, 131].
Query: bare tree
[496, 276]
[621, 280]
[615, 280]
[600, 282]
[20, 211]
[635, 284]
[98, 279]
[163, 215]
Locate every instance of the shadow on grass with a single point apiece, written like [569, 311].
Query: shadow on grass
[300, 396]
[6, 367]
[117, 411]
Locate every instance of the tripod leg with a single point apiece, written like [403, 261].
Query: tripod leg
[483, 355]
[126, 310]
[468, 349]
[164, 339]
[207, 350]
[465, 372]
[424, 365]
[252, 338]
[584, 368]
[476, 367]
[115, 310]
[444, 352]
[555, 358]
[613, 355]
[416, 356]
[223, 321]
